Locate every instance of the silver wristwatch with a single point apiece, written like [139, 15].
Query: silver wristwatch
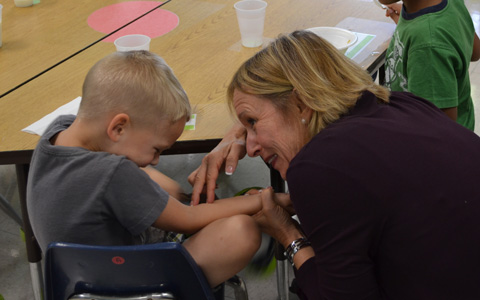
[294, 247]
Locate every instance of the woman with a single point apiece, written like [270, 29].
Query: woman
[384, 185]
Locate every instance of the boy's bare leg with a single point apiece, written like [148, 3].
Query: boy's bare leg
[224, 247]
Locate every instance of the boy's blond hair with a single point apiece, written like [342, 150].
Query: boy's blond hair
[324, 79]
[138, 83]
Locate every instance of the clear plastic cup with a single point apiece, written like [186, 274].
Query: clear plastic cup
[251, 18]
[132, 42]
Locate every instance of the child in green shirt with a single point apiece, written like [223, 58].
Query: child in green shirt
[430, 53]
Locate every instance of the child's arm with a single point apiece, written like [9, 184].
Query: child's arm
[393, 11]
[451, 112]
[167, 184]
[182, 218]
[476, 48]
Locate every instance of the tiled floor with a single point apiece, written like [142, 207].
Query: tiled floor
[15, 283]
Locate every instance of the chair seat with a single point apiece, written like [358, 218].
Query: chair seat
[86, 296]
[164, 268]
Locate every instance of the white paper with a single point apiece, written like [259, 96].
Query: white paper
[39, 127]
[190, 125]
[363, 40]
[71, 108]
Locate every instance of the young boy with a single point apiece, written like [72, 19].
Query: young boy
[430, 52]
[86, 184]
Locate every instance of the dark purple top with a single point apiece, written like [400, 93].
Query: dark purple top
[389, 197]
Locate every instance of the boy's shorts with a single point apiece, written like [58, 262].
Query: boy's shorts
[154, 235]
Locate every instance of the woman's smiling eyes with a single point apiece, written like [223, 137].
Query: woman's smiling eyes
[251, 122]
[248, 119]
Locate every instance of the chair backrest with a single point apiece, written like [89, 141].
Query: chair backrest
[118, 271]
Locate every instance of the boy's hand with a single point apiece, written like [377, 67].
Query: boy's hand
[393, 11]
[228, 152]
[281, 199]
[273, 219]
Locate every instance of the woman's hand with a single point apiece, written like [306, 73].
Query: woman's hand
[275, 220]
[393, 11]
[227, 153]
[283, 200]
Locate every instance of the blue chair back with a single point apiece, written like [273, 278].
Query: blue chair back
[72, 269]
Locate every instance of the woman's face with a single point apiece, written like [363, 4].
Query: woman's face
[274, 137]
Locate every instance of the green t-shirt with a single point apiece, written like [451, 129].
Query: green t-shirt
[429, 56]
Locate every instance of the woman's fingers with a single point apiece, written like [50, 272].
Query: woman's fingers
[228, 152]
[197, 180]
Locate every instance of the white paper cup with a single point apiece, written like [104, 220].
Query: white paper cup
[132, 42]
[251, 17]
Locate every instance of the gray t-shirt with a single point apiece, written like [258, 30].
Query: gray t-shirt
[80, 196]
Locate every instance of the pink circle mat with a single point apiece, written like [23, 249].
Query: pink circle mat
[112, 17]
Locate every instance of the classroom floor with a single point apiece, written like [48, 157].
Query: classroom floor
[15, 282]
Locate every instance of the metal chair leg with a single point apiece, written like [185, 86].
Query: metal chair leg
[278, 185]
[282, 273]
[37, 280]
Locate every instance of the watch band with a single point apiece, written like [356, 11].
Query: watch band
[294, 247]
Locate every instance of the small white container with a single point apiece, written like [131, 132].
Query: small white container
[341, 38]
[23, 3]
[132, 42]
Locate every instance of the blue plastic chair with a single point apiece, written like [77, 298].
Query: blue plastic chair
[153, 271]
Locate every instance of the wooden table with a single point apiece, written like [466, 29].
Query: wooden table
[37, 37]
[204, 51]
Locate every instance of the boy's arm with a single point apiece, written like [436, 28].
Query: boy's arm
[182, 218]
[451, 112]
[167, 184]
[393, 11]
[476, 48]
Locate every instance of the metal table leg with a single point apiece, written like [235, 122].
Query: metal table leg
[7, 208]
[278, 185]
[34, 254]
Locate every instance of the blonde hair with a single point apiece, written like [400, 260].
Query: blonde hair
[138, 83]
[324, 79]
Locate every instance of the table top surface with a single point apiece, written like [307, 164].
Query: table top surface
[39, 36]
[204, 51]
